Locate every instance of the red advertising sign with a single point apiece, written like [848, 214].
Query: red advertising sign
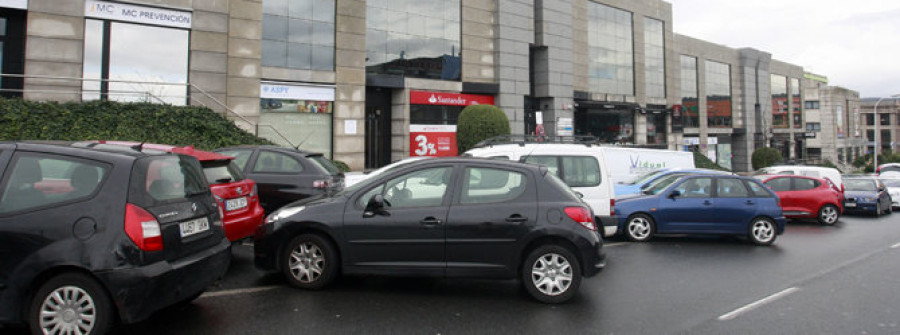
[448, 99]
[432, 140]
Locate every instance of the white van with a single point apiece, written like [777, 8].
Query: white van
[811, 171]
[628, 163]
[583, 167]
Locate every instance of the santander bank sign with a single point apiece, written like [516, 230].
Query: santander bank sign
[448, 99]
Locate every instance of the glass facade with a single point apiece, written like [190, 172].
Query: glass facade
[654, 58]
[779, 101]
[132, 67]
[718, 94]
[610, 50]
[796, 111]
[414, 38]
[298, 34]
[689, 92]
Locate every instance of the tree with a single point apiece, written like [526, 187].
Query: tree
[765, 157]
[479, 122]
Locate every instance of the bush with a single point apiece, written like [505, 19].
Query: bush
[703, 162]
[109, 120]
[341, 165]
[477, 123]
[765, 157]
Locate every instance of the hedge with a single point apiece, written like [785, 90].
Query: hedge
[108, 120]
[477, 123]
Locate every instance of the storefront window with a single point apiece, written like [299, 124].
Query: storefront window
[608, 126]
[610, 50]
[796, 111]
[718, 95]
[133, 51]
[298, 34]
[414, 38]
[654, 58]
[297, 116]
[656, 128]
[689, 92]
[779, 101]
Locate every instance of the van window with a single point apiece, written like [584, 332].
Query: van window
[576, 171]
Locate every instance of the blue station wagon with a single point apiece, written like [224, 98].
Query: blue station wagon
[703, 204]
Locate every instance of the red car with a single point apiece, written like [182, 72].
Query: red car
[237, 196]
[807, 197]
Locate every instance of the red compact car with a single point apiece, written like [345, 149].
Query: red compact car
[807, 197]
[237, 196]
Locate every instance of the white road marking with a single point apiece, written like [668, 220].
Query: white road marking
[613, 244]
[237, 291]
[895, 246]
[733, 314]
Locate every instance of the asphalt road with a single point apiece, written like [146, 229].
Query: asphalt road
[815, 280]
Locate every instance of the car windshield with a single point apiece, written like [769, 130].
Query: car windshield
[640, 179]
[891, 182]
[859, 185]
[661, 184]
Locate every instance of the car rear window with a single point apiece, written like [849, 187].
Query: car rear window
[325, 164]
[163, 179]
[221, 172]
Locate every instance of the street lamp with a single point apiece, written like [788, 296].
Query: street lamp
[877, 134]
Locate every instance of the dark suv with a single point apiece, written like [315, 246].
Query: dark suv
[284, 175]
[91, 234]
[440, 217]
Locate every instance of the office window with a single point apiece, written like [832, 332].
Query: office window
[718, 94]
[796, 112]
[654, 58]
[610, 50]
[689, 92]
[812, 104]
[298, 34]
[779, 101]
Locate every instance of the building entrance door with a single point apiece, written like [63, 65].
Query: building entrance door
[378, 127]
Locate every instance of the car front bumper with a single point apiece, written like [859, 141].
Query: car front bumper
[139, 292]
[610, 224]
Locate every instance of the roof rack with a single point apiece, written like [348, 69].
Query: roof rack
[587, 140]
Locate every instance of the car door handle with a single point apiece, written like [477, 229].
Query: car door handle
[750, 202]
[430, 221]
[707, 203]
[516, 218]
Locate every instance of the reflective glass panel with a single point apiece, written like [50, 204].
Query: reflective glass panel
[718, 94]
[610, 50]
[654, 58]
[298, 34]
[779, 101]
[689, 93]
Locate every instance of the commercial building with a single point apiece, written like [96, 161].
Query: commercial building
[372, 81]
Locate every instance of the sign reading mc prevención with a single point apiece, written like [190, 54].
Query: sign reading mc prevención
[137, 14]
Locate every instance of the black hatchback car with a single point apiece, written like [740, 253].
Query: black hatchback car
[449, 217]
[284, 175]
[92, 234]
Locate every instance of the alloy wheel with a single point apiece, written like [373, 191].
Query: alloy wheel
[552, 274]
[307, 262]
[68, 310]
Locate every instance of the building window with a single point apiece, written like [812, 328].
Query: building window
[656, 128]
[689, 92]
[813, 126]
[885, 140]
[812, 104]
[12, 51]
[870, 119]
[608, 125]
[121, 59]
[296, 115]
[414, 38]
[718, 94]
[654, 58]
[870, 135]
[298, 34]
[885, 119]
[779, 101]
[796, 113]
[610, 50]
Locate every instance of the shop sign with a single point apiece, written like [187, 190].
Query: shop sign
[432, 140]
[448, 99]
[272, 90]
[137, 14]
[16, 4]
[809, 134]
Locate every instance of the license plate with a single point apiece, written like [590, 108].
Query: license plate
[850, 204]
[194, 227]
[237, 203]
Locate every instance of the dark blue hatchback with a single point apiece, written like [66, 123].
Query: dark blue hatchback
[703, 204]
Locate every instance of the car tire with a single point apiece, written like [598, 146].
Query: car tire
[877, 209]
[74, 302]
[639, 228]
[828, 215]
[762, 231]
[551, 274]
[310, 262]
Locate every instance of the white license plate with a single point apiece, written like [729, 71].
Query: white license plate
[237, 203]
[850, 204]
[194, 227]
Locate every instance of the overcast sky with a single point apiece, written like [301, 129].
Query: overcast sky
[856, 44]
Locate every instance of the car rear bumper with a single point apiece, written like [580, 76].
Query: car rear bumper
[139, 292]
[243, 225]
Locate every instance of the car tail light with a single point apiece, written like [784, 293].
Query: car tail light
[582, 216]
[325, 183]
[612, 207]
[253, 191]
[221, 216]
[143, 229]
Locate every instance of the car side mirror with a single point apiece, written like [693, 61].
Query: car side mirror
[674, 194]
[375, 206]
